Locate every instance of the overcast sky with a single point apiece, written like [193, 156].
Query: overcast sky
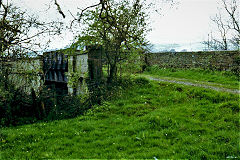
[186, 22]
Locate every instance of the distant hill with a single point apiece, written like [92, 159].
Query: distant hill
[196, 46]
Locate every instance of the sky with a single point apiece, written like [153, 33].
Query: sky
[186, 22]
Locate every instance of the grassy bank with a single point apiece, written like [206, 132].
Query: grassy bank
[151, 119]
[221, 78]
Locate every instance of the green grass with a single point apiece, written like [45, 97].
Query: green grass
[149, 120]
[221, 78]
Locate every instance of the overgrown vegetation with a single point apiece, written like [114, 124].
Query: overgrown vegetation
[20, 33]
[225, 78]
[18, 107]
[149, 120]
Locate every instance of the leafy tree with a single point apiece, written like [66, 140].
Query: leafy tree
[119, 27]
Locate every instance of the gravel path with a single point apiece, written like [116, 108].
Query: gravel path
[234, 91]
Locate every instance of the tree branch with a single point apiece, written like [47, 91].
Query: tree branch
[59, 9]
[83, 10]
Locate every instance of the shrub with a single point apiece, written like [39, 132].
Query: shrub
[141, 81]
[17, 107]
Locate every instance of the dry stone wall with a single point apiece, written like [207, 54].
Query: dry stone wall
[219, 60]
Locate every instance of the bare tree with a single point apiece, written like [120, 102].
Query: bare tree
[20, 31]
[223, 30]
[232, 8]
[227, 27]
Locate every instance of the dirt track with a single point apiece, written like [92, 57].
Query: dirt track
[208, 86]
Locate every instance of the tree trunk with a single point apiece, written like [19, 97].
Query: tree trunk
[112, 74]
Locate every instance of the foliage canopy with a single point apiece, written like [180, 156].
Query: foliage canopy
[119, 27]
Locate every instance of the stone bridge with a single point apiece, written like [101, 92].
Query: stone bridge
[57, 69]
[68, 73]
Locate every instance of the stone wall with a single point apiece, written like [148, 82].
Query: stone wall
[219, 60]
[26, 74]
[77, 74]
